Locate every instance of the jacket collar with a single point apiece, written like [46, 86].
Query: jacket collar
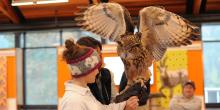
[70, 86]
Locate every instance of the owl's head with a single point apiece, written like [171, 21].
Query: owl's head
[128, 45]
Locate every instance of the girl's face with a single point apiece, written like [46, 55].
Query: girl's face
[188, 91]
[90, 78]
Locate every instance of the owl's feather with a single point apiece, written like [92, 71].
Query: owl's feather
[162, 29]
[109, 20]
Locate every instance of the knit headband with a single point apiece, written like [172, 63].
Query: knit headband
[85, 64]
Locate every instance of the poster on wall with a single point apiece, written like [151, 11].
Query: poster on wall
[3, 83]
[171, 74]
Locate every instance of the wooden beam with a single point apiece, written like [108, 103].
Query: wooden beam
[94, 1]
[189, 6]
[38, 25]
[149, 2]
[197, 6]
[203, 6]
[103, 1]
[8, 11]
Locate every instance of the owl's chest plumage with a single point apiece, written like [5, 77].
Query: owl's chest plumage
[134, 56]
[132, 51]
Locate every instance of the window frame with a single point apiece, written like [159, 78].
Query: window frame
[208, 105]
[24, 95]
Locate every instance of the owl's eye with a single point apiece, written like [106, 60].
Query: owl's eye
[123, 55]
[120, 43]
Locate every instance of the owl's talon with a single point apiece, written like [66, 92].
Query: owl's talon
[140, 80]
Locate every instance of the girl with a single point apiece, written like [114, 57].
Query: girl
[84, 63]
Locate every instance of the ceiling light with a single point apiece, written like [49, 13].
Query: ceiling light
[22, 3]
[34, 2]
[50, 1]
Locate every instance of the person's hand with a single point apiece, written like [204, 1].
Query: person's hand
[136, 90]
[133, 90]
[132, 103]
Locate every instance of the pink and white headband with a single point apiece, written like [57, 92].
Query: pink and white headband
[85, 64]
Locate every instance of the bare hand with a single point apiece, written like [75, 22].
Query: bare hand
[132, 103]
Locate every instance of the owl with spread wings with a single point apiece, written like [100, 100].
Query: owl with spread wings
[158, 29]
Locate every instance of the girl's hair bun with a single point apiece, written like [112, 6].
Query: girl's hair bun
[73, 51]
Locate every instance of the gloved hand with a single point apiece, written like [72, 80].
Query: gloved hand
[136, 90]
[144, 93]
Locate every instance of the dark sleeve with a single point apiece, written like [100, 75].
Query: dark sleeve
[123, 82]
[95, 91]
[105, 75]
[106, 85]
[101, 89]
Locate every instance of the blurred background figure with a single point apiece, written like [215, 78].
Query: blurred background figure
[187, 101]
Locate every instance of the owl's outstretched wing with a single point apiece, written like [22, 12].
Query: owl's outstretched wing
[161, 29]
[109, 20]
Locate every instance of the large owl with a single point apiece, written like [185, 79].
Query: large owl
[158, 29]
